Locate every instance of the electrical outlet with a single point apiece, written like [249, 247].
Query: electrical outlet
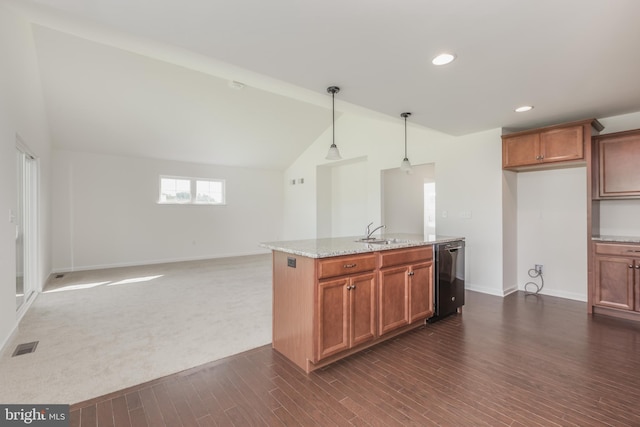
[539, 268]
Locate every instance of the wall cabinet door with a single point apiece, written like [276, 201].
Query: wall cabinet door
[346, 314]
[561, 145]
[520, 150]
[421, 291]
[619, 157]
[614, 282]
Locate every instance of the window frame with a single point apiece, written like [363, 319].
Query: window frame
[193, 183]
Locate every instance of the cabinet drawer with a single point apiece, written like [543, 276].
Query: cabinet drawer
[342, 266]
[405, 256]
[617, 249]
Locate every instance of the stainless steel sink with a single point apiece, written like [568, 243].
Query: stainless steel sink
[376, 241]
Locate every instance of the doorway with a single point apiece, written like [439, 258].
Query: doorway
[409, 200]
[25, 219]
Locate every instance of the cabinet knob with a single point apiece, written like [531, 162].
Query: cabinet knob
[630, 265]
[638, 266]
[353, 286]
[411, 273]
[349, 287]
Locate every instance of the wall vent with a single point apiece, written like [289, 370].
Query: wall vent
[25, 348]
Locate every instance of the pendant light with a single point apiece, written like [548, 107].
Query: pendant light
[405, 166]
[333, 153]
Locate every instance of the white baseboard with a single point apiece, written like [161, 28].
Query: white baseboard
[490, 291]
[8, 338]
[562, 294]
[151, 262]
[19, 315]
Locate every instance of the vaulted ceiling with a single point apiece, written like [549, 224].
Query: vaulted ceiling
[142, 76]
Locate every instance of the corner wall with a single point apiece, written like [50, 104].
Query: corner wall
[468, 183]
[22, 113]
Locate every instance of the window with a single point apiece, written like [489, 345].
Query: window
[179, 190]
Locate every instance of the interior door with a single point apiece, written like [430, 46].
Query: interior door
[25, 219]
[17, 218]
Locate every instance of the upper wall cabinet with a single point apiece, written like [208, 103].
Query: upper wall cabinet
[617, 165]
[548, 147]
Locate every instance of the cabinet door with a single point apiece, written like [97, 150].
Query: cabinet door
[393, 299]
[363, 315]
[614, 282]
[421, 291]
[619, 170]
[520, 150]
[561, 145]
[333, 317]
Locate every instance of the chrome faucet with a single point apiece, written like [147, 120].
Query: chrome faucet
[370, 232]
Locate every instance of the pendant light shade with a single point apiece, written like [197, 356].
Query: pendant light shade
[334, 153]
[405, 166]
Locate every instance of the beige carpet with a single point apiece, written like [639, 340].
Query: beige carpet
[105, 330]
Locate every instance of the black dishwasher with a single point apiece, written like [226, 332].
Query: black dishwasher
[449, 278]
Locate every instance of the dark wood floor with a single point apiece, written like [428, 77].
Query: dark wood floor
[513, 361]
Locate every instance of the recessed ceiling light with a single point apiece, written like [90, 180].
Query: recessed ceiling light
[524, 108]
[443, 59]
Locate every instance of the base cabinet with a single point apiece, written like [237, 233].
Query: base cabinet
[405, 288]
[326, 309]
[617, 276]
[346, 314]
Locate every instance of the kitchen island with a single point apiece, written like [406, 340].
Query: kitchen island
[333, 297]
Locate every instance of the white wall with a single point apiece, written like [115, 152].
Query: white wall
[348, 192]
[22, 112]
[552, 230]
[468, 179]
[105, 212]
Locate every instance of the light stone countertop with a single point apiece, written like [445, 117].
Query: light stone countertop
[616, 239]
[337, 246]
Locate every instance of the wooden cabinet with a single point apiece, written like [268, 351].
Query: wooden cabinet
[618, 164]
[405, 288]
[345, 314]
[326, 309]
[617, 276]
[547, 147]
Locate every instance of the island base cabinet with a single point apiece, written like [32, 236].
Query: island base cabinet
[405, 288]
[394, 299]
[328, 308]
[346, 314]
[421, 292]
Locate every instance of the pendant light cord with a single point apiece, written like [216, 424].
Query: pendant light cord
[333, 116]
[405, 137]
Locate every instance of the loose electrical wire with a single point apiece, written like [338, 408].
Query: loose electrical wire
[533, 273]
